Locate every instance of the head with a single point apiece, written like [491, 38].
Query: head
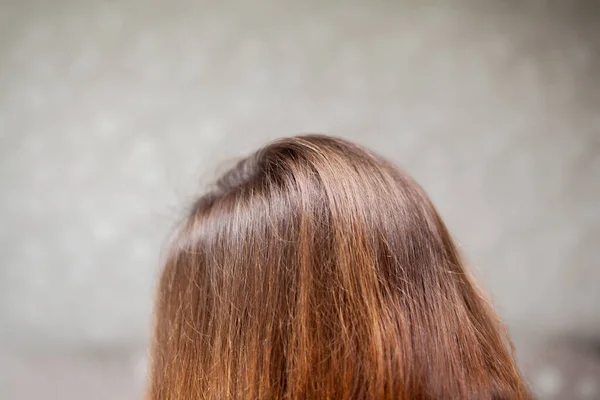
[316, 269]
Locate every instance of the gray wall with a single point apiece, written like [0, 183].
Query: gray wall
[113, 114]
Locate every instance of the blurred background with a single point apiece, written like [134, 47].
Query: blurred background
[113, 114]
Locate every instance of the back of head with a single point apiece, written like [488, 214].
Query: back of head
[316, 269]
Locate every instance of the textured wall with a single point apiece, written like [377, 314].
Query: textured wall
[111, 115]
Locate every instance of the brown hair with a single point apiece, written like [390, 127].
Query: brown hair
[317, 270]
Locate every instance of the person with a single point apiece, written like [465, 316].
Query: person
[315, 269]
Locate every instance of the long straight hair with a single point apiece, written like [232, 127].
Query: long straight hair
[315, 269]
